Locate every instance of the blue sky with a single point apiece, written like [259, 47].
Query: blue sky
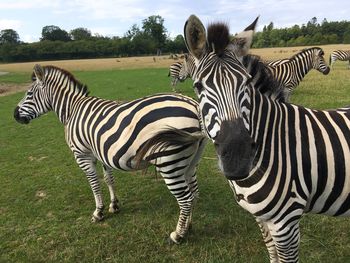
[115, 17]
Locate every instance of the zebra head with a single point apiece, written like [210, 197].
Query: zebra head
[221, 84]
[188, 67]
[35, 101]
[318, 61]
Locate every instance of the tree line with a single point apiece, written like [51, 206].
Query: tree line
[56, 43]
[311, 33]
[152, 39]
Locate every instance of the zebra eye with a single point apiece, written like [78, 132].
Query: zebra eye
[198, 86]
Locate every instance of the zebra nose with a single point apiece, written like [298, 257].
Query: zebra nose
[16, 113]
[326, 71]
[18, 117]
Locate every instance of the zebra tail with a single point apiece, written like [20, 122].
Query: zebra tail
[330, 59]
[164, 139]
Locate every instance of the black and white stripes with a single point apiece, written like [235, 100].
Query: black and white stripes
[289, 72]
[342, 55]
[281, 160]
[174, 74]
[112, 133]
[181, 70]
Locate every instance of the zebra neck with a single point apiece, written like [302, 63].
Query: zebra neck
[302, 64]
[64, 101]
[265, 116]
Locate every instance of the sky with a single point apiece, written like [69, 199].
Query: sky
[115, 17]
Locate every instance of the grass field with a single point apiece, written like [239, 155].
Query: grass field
[46, 202]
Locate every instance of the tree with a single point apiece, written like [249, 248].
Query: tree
[54, 33]
[154, 27]
[132, 32]
[80, 33]
[346, 38]
[9, 36]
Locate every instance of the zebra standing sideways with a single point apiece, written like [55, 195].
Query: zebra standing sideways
[281, 160]
[289, 72]
[112, 133]
[342, 55]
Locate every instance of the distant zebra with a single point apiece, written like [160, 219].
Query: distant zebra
[281, 160]
[189, 66]
[342, 55]
[174, 73]
[112, 133]
[289, 72]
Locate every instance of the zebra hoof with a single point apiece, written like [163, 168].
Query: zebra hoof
[113, 208]
[98, 217]
[174, 239]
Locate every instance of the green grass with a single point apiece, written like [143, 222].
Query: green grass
[15, 78]
[46, 202]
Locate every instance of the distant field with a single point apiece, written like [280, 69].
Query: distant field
[46, 202]
[96, 64]
[150, 61]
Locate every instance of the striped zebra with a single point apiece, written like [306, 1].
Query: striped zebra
[174, 73]
[189, 66]
[291, 71]
[180, 71]
[281, 160]
[103, 130]
[342, 55]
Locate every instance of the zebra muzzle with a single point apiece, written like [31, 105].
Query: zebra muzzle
[19, 118]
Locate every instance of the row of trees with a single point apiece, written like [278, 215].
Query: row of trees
[313, 33]
[56, 43]
[150, 39]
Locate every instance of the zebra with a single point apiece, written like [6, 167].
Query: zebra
[180, 71]
[291, 71]
[188, 66]
[174, 73]
[103, 130]
[281, 160]
[342, 55]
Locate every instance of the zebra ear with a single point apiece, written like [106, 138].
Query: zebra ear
[195, 36]
[39, 72]
[241, 42]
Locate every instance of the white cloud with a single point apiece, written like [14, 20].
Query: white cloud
[29, 38]
[25, 4]
[10, 24]
[103, 9]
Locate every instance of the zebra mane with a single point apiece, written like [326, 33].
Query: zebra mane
[77, 84]
[302, 51]
[218, 37]
[262, 78]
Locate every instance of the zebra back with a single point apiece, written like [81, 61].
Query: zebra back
[342, 55]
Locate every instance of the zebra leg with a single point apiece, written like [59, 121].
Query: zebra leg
[286, 237]
[173, 84]
[270, 244]
[191, 177]
[185, 200]
[173, 168]
[88, 164]
[109, 179]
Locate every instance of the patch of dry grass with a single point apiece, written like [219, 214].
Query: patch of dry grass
[152, 62]
[95, 64]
